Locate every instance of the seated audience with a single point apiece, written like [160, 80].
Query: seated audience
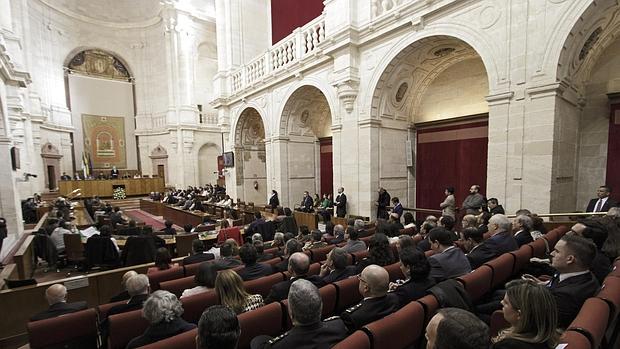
[57, 236]
[469, 221]
[278, 242]
[117, 217]
[260, 251]
[380, 252]
[198, 253]
[169, 230]
[415, 267]
[495, 207]
[453, 328]
[595, 231]
[290, 247]
[483, 221]
[611, 222]
[138, 290]
[298, 266]
[163, 261]
[163, 312]
[530, 310]
[472, 239]
[448, 261]
[305, 305]
[106, 232]
[218, 328]
[335, 266]
[231, 292]
[315, 240]
[211, 247]
[354, 244]
[409, 221]
[204, 279]
[227, 260]
[425, 245]
[56, 296]
[123, 295]
[131, 229]
[448, 223]
[500, 242]
[377, 303]
[339, 234]
[522, 226]
[252, 270]
[404, 241]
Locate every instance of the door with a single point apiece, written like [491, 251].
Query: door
[450, 155]
[51, 176]
[613, 150]
[161, 172]
[327, 167]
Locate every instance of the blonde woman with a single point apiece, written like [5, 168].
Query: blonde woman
[230, 291]
[531, 311]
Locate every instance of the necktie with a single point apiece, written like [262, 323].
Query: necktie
[599, 205]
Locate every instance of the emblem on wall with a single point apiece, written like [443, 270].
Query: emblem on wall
[104, 140]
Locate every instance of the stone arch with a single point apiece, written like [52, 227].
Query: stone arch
[306, 112]
[159, 161]
[250, 156]
[50, 155]
[74, 54]
[262, 113]
[207, 163]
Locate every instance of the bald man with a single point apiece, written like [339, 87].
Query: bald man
[374, 283]
[56, 296]
[298, 266]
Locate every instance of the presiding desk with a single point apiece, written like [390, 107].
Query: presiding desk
[105, 187]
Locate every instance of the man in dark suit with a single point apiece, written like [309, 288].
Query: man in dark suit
[335, 266]
[597, 232]
[341, 203]
[227, 261]
[472, 238]
[65, 177]
[398, 207]
[56, 296]
[448, 261]
[298, 265]
[123, 295]
[500, 242]
[573, 283]
[603, 202]
[252, 270]
[306, 203]
[114, 174]
[198, 253]
[382, 203]
[377, 303]
[274, 202]
[260, 251]
[522, 226]
[138, 289]
[339, 234]
[305, 304]
[291, 246]
[117, 217]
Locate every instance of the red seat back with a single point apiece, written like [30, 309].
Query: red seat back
[478, 282]
[522, 258]
[265, 320]
[185, 340]
[177, 286]
[610, 292]
[401, 329]
[358, 340]
[273, 261]
[263, 285]
[193, 306]
[320, 254]
[502, 267]
[394, 271]
[430, 305]
[498, 323]
[103, 309]
[125, 327]
[575, 340]
[348, 293]
[539, 248]
[315, 269]
[191, 269]
[592, 320]
[76, 330]
[328, 295]
[164, 275]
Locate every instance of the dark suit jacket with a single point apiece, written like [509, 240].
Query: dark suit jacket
[321, 335]
[448, 264]
[608, 204]
[570, 295]
[412, 290]
[59, 309]
[282, 266]
[227, 263]
[198, 258]
[134, 303]
[369, 310]
[523, 238]
[398, 209]
[160, 331]
[492, 247]
[264, 257]
[123, 296]
[279, 291]
[255, 271]
[341, 205]
[306, 203]
[274, 201]
[337, 275]
[383, 203]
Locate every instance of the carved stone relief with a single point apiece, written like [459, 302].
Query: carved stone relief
[306, 113]
[99, 63]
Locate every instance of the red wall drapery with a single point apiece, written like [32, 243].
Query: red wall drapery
[327, 168]
[286, 15]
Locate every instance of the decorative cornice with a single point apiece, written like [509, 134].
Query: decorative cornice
[373, 123]
[500, 98]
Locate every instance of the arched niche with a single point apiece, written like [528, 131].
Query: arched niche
[250, 157]
[207, 163]
[159, 162]
[51, 156]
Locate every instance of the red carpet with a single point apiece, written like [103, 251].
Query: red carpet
[147, 218]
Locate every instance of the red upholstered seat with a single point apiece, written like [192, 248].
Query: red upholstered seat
[191, 269]
[610, 292]
[229, 233]
[76, 330]
[193, 306]
[102, 310]
[502, 267]
[320, 254]
[125, 327]
[522, 258]
[555, 235]
[430, 305]
[265, 320]
[185, 340]
[177, 286]
[498, 323]
[315, 269]
[401, 329]
[358, 340]
[263, 285]
[592, 320]
[394, 271]
[407, 231]
[539, 248]
[164, 275]
[575, 340]
[348, 293]
[394, 251]
[273, 261]
[478, 282]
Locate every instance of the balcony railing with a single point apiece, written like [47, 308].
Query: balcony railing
[299, 44]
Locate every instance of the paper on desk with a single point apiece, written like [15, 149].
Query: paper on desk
[90, 231]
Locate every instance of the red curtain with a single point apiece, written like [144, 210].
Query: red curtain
[286, 15]
[327, 168]
[450, 156]
[613, 151]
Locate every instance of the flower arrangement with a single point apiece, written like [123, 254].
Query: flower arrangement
[119, 193]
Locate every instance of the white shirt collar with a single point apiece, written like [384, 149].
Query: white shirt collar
[570, 275]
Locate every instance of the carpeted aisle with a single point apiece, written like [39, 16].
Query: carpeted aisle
[156, 222]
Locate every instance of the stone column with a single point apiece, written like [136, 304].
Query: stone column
[279, 146]
[368, 167]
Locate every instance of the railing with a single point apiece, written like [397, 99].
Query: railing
[293, 48]
[380, 7]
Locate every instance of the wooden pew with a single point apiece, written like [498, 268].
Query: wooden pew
[24, 258]
[311, 220]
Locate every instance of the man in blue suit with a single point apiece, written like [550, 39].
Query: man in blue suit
[501, 241]
[306, 203]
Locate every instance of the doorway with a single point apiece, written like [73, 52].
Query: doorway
[161, 172]
[51, 175]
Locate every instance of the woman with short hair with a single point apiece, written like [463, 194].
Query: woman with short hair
[204, 279]
[230, 291]
[163, 312]
[163, 261]
[415, 267]
[531, 311]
